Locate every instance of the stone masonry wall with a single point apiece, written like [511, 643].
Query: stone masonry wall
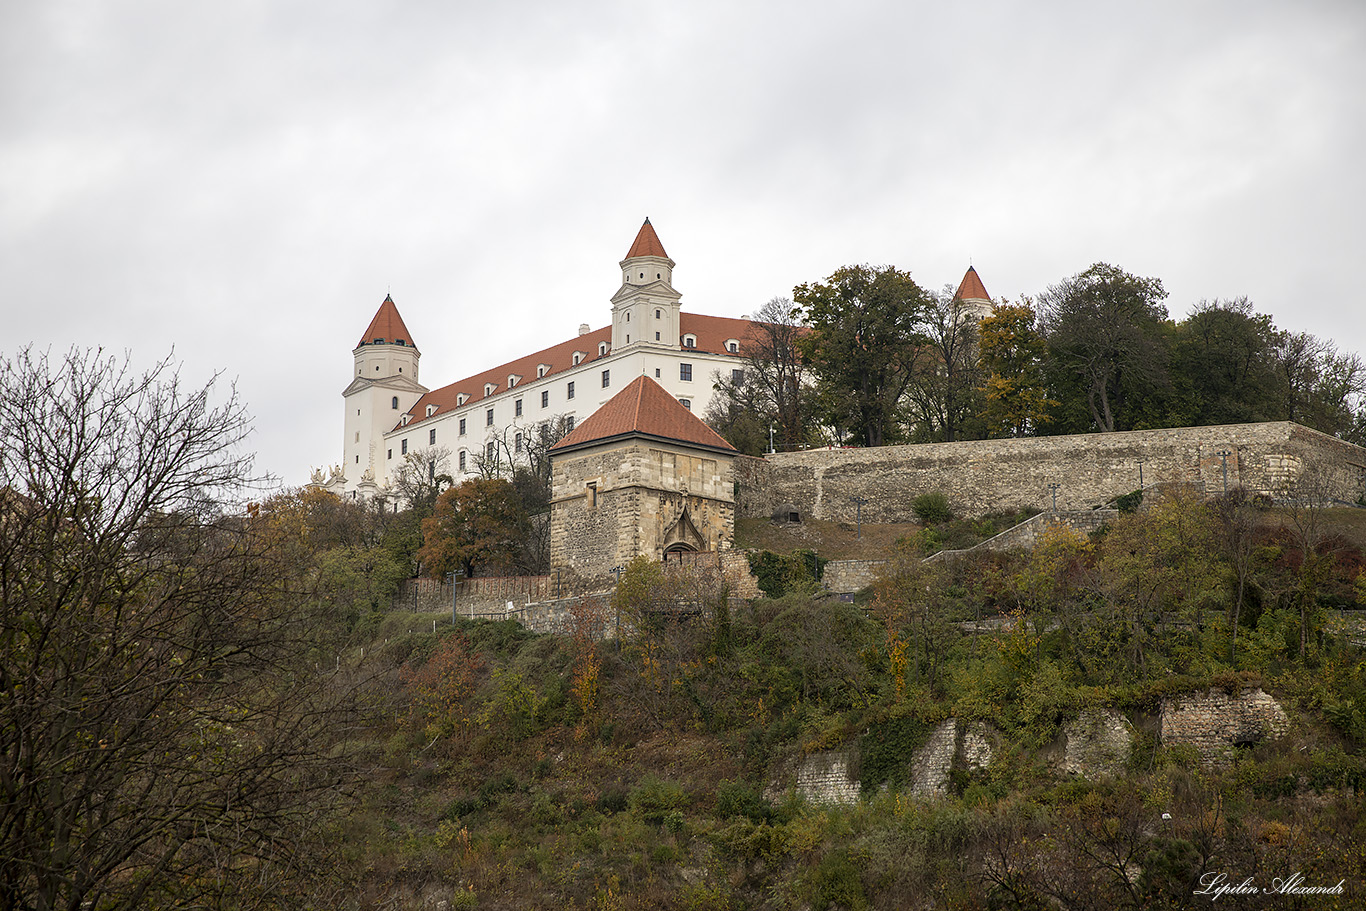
[824, 778]
[1215, 721]
[847, 576]
[992, 475]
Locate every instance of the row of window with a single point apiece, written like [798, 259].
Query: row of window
[491, 450]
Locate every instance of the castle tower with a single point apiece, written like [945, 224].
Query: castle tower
[641, 475]
[645, 308]
[974, 295]
[382, 389]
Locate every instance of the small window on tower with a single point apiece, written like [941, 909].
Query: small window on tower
[394, 403]
[602, 348]
[657, 312]
[628, 316]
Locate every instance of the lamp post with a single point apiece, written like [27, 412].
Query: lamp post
[1054, 488]
[859, 503]
[1140, 473]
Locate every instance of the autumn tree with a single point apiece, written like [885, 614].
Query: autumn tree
[1224, 354]
[772, 390]
[1105, 338]
[865, 334]
[165, 739]
[944, 392]
[1013, 354]
[478, 526]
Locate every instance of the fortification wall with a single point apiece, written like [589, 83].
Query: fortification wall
[985, 476]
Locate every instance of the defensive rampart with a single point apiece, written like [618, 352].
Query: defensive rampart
[984, 476]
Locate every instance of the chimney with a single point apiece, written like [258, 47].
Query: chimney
[584, 328]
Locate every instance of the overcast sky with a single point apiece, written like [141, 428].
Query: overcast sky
[245, 181]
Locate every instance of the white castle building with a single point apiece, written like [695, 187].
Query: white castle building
[390, 414]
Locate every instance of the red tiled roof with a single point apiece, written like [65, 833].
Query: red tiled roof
[387, 325]
[712, 333]
[647, 243]
[972, 288]
[643, 407]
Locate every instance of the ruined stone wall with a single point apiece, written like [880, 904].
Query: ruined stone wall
[825, 778]
[1215, 722]
[1091, 469]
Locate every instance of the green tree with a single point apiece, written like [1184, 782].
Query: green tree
[1106, 341]
[477, 526]
[866, 333]
[1224, 354]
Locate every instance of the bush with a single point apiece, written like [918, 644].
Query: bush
[1129, 502]
[932, 508]
[656, 800]
[736, 798]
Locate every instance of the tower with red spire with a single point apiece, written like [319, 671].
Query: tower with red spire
[645, 308]
[384, 385]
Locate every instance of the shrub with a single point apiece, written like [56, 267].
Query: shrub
[1129, 502]
[656, 800]
[932, 508]
[736, 798]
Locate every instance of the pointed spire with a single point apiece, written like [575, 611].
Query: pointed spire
[647, 243]
[387, 327]
[643, 408]
[971, 288]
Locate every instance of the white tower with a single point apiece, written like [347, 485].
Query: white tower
[645, 308]
[383, 387]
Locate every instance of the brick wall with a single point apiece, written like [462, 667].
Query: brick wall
[995, 475]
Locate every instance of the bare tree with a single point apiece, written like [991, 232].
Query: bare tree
[163, 739]
[944, 393]
[422, 476]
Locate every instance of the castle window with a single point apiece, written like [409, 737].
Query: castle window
[578, 358]
[462, 427]
[491, 450]
[569, 424]
[398, 341]
[488, 418]
[732, 346]
[517, 408]
[657, 312]
[403, 447]
[357, 460]
[431, 437]
[488, 388]
[461, 398]
[606, 378]
[545, 398]
[628, 316]
[737, 377]
[592, 491]
[602, 348]
[513, 380]
[689, 341]
[656, 373]
[388, 454]
[642, 275]
[379, 341]
[656, 336]
[628, 338]
[431, 410]
[542, 370]
[659, 275]
[569, 390]
[517, 443]
[357, 436]
[685, 372]
[462, 460]
[686, 403]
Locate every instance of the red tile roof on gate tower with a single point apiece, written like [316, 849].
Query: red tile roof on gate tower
[711, 332]
[387, 327]
[647, 243]
[972, 288]
[646, 409]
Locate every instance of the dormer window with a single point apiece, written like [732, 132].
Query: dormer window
[513, 380]
[733, 346]
[489, 387]
[403, 422]
[379, 341]
[461, 398]
[398, 341]
[431, 410]
[578, 358]
[602, 348]
[542, 370]
[689, 341]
